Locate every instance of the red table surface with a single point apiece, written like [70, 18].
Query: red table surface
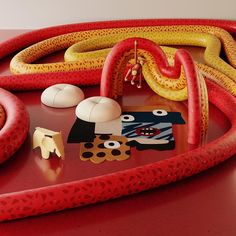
[204, 204]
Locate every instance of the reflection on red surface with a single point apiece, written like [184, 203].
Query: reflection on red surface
[51, 169]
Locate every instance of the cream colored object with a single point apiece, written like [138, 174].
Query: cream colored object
[98, 109]
[62, 96]
[113, 127]
[48, 141]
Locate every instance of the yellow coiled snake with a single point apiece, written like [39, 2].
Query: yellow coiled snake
[87, 54]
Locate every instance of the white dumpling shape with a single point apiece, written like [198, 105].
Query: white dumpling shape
[62, 96]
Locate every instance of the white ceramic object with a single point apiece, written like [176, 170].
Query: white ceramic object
[62, 96]
[98, 109]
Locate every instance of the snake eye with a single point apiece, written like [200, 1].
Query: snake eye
[127, 118]
[160, 113]
[111, 144]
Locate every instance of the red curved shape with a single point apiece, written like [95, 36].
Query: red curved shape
[110, 186]
[101, 188]
[2, 117]
[26, 39]
[26, 82]
[43, 80]
[182, 57]
[15, 129]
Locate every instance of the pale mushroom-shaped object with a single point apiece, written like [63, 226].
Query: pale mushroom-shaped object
[62, 96]
[98, 109]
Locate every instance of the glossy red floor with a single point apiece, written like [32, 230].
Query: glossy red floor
[200, 205]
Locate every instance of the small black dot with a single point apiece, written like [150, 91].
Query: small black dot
[120, 142]
[87, 154]
[115, 152]
[111, 144]
[101, 154]
[104, 137]
[127, 152]
[88, 145]
[101, 145]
